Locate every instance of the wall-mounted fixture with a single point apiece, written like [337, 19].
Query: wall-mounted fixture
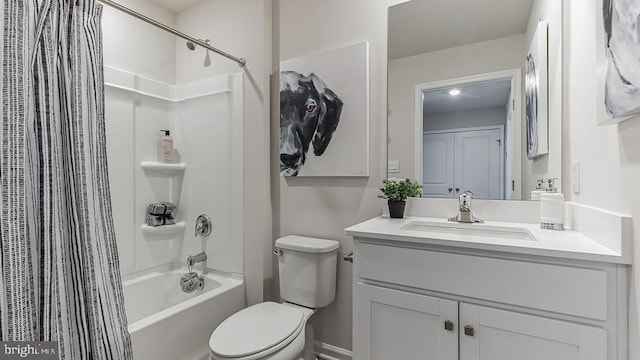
[192, 46]
[203, 225]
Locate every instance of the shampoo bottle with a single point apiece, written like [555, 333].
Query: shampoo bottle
[166, 148]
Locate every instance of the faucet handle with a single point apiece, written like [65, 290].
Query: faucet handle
[465, 200]
[203, 225]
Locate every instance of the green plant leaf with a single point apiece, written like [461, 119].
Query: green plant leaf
[397, 190]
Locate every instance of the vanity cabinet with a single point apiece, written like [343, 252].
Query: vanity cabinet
[506, 335]
[402, 325]
[396, 324]
[429, 302]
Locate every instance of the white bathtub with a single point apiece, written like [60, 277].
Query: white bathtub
[168, 324]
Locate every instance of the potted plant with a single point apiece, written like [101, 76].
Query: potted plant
[396, 192]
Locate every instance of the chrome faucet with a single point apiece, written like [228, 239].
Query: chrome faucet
[192, 260]
[464, 212]
[203, 225]
[191, 281]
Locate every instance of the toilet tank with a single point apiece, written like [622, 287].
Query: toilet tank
[307, 269]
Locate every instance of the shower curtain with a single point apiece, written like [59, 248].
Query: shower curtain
[59, 271]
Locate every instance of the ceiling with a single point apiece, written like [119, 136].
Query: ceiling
[178, 6]
[421, 26]
[476, 96]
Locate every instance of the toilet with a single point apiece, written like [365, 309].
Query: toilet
[307, 269]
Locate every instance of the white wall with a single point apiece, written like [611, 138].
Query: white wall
[241, 28]
[609, 156]
[405, 73]
[209, 132]
[137, 47]
[323, 207]
[547, 166]
[206, 138]
[464, 119]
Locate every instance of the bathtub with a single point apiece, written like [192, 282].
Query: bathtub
[166, 323]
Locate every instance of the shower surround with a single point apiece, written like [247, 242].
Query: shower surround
[205, 117]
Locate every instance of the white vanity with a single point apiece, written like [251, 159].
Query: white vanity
[425, 288]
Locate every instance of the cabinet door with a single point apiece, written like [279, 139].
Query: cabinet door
[504, 335]
[392, 324]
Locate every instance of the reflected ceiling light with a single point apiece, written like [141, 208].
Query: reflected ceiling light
[454, 92]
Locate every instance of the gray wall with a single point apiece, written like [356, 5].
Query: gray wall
[405, 73]
[323, 207]
[465, 119]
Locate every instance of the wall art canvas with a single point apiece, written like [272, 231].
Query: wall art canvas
[536, 79]
[324, 113]
[618, 60]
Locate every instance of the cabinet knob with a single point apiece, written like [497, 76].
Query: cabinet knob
[468, 330]
[448, 325]
[450, 189]
[457, 189]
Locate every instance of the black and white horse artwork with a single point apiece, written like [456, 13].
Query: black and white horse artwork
[622, 46]
[309, 115]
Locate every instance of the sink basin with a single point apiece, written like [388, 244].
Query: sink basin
[477, 231]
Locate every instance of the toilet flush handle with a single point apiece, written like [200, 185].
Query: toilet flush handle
[277, 252]
[349, 257]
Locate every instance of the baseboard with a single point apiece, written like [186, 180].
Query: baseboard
[330, 352]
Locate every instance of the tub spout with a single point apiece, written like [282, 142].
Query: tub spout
[192, 260]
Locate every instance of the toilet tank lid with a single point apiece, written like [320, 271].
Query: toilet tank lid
[306, 244]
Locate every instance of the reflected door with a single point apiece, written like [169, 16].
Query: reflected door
[437, 165]
[478, 163]
[453, 162]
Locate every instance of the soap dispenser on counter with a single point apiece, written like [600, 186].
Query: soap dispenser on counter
[535, 193]
[551, 207]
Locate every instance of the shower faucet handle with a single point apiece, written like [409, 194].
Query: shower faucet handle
[203, 225]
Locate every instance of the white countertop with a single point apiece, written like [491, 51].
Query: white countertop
[560, 244]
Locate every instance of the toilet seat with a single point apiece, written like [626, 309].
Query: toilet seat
[257, 331]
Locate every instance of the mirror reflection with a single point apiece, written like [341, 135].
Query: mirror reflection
[466, 141]
[455, 102]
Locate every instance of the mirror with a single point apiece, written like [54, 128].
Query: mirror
[456, 80]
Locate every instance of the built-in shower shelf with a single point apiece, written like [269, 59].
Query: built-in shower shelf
[159, 169]
[166, 230]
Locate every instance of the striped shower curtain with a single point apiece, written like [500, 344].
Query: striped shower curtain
[59, 270]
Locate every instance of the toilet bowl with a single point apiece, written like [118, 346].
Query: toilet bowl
[263, 331]
[307, 269]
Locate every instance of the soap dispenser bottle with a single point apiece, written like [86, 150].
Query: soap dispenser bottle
[552, 207]
[166, 148]
[535, 193]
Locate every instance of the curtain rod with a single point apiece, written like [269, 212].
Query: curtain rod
[241, 61]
